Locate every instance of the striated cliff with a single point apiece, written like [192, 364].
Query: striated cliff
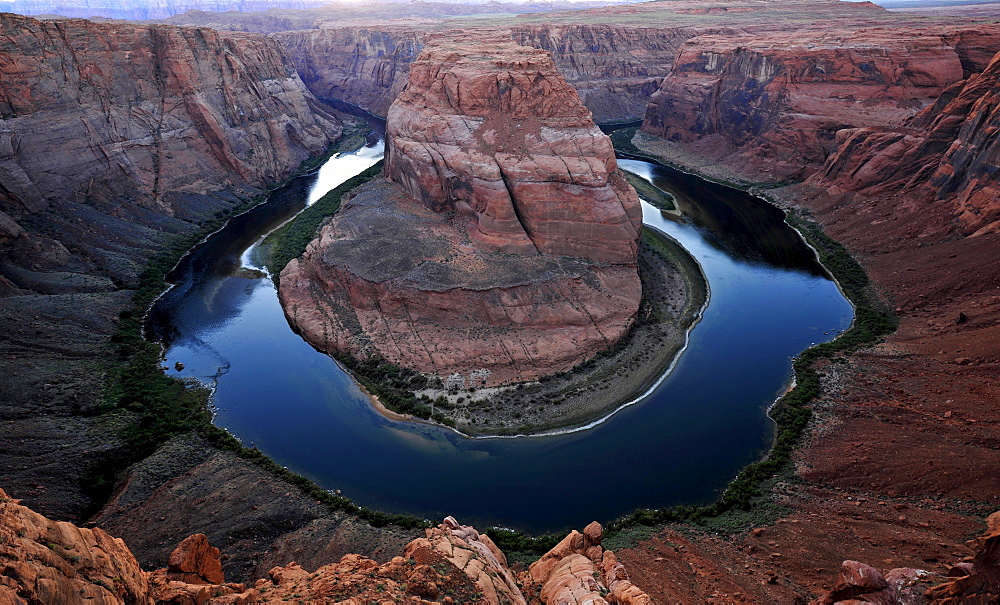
[614, 69]
[504, 246]
[101, 111]
[771, 105]
[366, 65]
[56, 562]
[947, 155]
[115, 139]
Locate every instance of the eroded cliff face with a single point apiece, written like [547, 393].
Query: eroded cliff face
[771, 105]
[509, 145]
[946, 155]
[366, 65]
[121, 111]
[504, 246]
[614, 69]
[115, 139]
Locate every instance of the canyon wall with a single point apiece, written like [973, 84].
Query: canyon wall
[101, 111]
[614, 69]
[504, 246]
[115, 139]
[366, 65]
[947, 154]
[771, 105]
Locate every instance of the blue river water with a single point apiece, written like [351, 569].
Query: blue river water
[680, 445]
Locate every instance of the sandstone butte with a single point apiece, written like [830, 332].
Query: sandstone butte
[45, 561]
[502, 245]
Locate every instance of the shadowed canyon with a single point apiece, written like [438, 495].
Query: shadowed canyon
[500, 242]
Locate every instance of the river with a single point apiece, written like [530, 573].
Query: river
[681, 445]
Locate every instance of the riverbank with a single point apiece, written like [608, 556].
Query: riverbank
[674, 294]
[745, 500]
[854, 474]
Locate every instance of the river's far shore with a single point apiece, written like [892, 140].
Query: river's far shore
[675, 293]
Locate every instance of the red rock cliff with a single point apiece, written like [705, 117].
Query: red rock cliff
[770, 105]
[946, 155]
[613, 68]
[508, 249]
[510, 145]
[125, 111]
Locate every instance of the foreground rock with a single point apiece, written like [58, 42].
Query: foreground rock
[48, 562]
[976, 579]
[505, 246]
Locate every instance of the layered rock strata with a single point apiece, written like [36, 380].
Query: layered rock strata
[770, 105]
[946, 155]
[613, 68]
[503, 246]
[140, 113]
[114, 140]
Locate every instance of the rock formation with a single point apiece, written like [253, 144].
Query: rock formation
[47, 562]
[771, 105]
[975, 579]
[143, 113]
[114, 140]
[504, 247]
[366, 64]
[613, 68]
[947, 154]
[614, 57]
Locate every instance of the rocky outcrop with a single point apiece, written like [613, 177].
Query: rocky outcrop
[47, 562]
[945, 155]
[771, 105]
[580, 570]
[976, 579]
[509, 146]
[44, 561]
[507, 250]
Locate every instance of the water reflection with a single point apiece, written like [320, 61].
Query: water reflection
[730, 219]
